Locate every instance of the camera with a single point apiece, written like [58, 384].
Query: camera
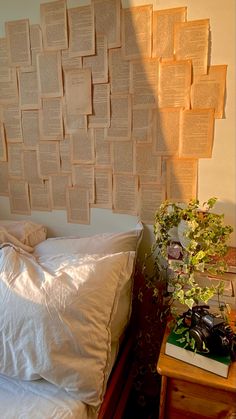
[210, 331]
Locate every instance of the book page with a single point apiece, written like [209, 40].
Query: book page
[78, 91]
[191, 43]
[144, 82]
[196, 138]
[181, 179]
[150, 198]
[208, 90]
[28, 90]
[142, 125]
[120, 127]
[9, 89]
[122, 157]
[19, 197]
[30, 167]
[17, 35]
[137, 32]
[65, 155]
[81, 31]
[48, 158]
[125, 194]
[103, 188]
[57, 186]
[119, 72]
[174, 84]
[68, 62]
[78, 210]
[100, 117]
[98, 62]
[166, 131]
[54, 25]
[11, 117]
[30, 128]
[5, 71]
[73, 122]
[40, 197]
[102, 148]
[49, 74]
[109, 27]
[83, 176]
[3, 149]
[82, 147]
[4, 178]
[146, 165]
[163, 30]
[50, 119]
[36, 40]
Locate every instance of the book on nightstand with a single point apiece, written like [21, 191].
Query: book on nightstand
[217, 364]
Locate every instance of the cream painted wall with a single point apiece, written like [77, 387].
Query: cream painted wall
[216, 175]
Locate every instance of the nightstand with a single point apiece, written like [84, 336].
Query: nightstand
[190, 392]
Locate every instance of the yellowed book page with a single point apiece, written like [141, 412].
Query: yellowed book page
[100, 117]
[40, 199]
[78, 91]
[163, 30]
[196, 137]
[181, 175]
[50, 119]
[137, 32]
[98, 62]
[49, 74]
[142, 125]
[125, 194]
[57, 187]
[103, 188]
[17, 34]
[68, 62]
[30, 128]
[174, 84]
[83, 176]
[191, 41]
[81, 31]
[208, 90]
[82, 147]
[150, 198]
[78, 209]
[102, 148]
[48, 158]
[122, 157]
[146, 165]
[9, 89]
[5, 71]
[120, 128]
[28, 90]
[73, 122]
[54, 25]
[144, 82]
[166, 131]
[11, 117]
[119, 72]
[30, 166]
[107, 20]
[4, 178]
[65, 154]
[3, 149]
[19, 197]
[36, 40]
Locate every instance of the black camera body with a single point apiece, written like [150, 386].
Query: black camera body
[210, 331]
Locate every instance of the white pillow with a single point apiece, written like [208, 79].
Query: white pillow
[26, 232]
[58, 326]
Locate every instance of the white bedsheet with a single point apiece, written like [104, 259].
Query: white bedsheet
[39, 400]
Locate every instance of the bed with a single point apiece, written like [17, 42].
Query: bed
[65, 304]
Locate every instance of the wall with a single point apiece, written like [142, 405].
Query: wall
[216, 175]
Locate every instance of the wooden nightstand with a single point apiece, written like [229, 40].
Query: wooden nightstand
[190, 392]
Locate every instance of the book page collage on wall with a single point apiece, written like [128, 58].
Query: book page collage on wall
[105, 107]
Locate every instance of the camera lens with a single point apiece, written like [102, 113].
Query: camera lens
[200, 337]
